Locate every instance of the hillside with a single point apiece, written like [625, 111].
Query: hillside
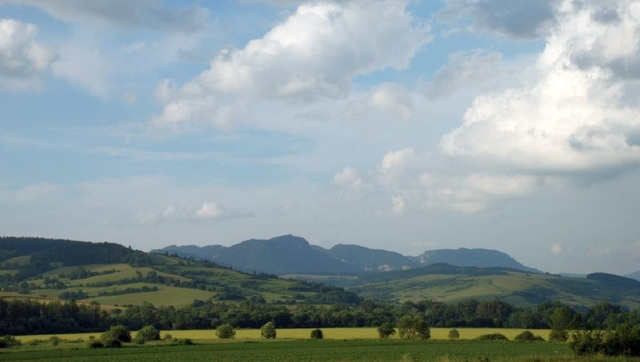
[446, 283]
[482, 258]
[114, 275]
[293, 255]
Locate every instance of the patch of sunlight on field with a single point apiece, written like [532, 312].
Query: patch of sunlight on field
[352, 333]
[209, 335]
[165, 295]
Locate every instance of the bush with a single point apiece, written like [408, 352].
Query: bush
[95, 344]
[111, 342]
[558, 335]
[54, 340]
[138, 339]
[186, 341]
[268, 330]
[492, 337]
[624, 341]
[225, 331]
[413, 327]
[148, 333]
[386, 330]
[167, 336]
[317, 334]
[8, 341]
[527, 336]
[120, 333]
[454, 334]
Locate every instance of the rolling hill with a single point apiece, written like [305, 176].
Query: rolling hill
[634, 275]
[293, 255]
[447, 283]
[114, 275]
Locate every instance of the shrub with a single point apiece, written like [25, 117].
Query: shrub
[558, 335]
[225, 331]
[54, 340]
[186, 341]
[95, 344]
[492, 337]
[454, 334]
[386, 330]
[120, 333]
[138, 339]
[317, 334]
[268, 330]
[527, 336]
[148, 333]
[167, 336]
[8, 341]
[111, 342]
[624, 341]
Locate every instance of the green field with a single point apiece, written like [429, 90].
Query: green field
[308, 350]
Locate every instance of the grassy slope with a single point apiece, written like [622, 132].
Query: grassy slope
[521, 289]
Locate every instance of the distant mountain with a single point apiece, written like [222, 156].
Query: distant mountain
[614, 280]
[370, 260]
[482, 258]
[634, 275]
[292, 255]
[281, 255]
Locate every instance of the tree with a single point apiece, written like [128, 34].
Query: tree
[268, 330]
[454, 334]
[119, 333]
[527, 336]
[225, 331]
[317, 334]
[413, 327]
[386, 330]
[146, 334]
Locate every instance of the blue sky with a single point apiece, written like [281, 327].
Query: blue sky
[403, 125]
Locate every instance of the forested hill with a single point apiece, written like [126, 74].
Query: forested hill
[69, 252]
[111, 274]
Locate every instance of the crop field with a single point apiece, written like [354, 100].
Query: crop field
[306, 350]
[208, 335]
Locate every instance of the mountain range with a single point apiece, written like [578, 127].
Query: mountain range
[289, 254]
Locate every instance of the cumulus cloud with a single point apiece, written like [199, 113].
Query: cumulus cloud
[209, 210]
[520, 19]
[151, 14]
[556, 249]
[388, 100]
[313, 54]
[467, 69]
[23, 60]
[580, 112]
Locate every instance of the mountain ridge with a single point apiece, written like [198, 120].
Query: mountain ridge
[269, 256]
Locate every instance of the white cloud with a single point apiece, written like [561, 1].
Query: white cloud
[468, 70]
[388, 100]
[209, 210]
[394, 161]
[397, 205]
[311, 55]
[23, 60]
[578, 115]
[556, 249]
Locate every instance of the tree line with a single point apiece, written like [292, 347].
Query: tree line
[33, 317]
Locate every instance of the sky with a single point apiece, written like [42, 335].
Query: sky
[400, 125]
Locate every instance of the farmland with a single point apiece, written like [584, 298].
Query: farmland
[308, 350]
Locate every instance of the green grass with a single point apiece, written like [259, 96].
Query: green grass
[305, 350]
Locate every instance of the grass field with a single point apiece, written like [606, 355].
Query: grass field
[304, 333]
[309, 350]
